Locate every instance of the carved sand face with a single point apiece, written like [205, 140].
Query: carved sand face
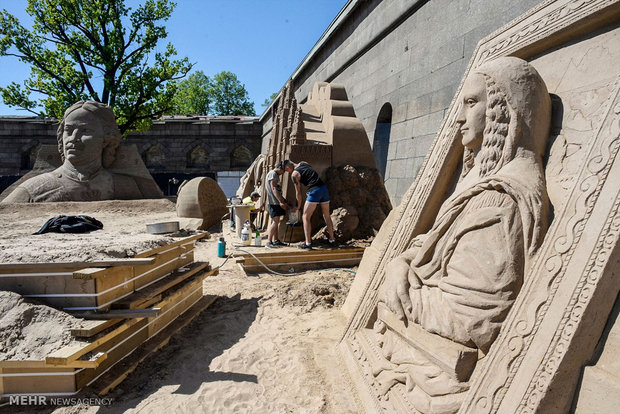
[82, 137]
[472, 115]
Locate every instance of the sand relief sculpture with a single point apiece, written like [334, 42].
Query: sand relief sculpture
[447, 315]
[444, 299]
[324, 132]
[88, 142]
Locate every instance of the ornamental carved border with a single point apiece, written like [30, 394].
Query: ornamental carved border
[549, 24]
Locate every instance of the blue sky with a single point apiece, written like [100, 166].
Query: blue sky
[262, 41]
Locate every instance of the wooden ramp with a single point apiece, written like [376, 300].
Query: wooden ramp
[161, 293]
[300, 260]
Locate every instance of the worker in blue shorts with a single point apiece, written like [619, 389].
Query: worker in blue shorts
[303, 173]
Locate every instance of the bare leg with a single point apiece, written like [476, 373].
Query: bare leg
[328, 219]
[308, 210]
[273, 228]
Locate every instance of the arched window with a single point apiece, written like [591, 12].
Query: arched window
[154, 157]
[29, 156]
[241, 156]
[198, 157]
[381, 141]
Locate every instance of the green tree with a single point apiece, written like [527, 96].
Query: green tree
[268, 100]
[230, 96]
[194, 95]
[94, 49]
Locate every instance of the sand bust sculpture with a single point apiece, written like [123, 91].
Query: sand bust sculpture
[459, 280]
[88, 139]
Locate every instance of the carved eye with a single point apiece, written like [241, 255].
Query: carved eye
[471, 101]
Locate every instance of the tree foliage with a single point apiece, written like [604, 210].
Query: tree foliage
[230, 96]
[268, 100]
[94, 49]
[194, 95]
[222, 95]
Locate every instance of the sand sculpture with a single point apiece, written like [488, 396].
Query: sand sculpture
[467, 301]
[459, 279]
[202, 198]
[93, 168]
[325, 133]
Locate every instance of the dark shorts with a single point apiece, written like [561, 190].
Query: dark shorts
[275, 210]
[318, 195]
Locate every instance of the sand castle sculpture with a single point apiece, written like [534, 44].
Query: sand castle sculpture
[325, 133]
[94, 165]
[487, 290]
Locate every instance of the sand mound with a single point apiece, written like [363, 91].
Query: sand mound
[31, 331]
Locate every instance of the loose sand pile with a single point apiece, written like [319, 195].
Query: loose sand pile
[267, 345]
[31, 331]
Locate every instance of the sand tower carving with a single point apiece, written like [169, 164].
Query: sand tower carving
[325, 133]
[94, 166]
[489, 288]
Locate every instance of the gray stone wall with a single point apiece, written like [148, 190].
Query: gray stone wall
[411, 55]
[229, 145]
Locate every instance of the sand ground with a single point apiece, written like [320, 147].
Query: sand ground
[267, 345]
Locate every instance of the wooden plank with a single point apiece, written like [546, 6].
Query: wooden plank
[184, 241]
[303, 253]
[193, 294]
[37, 380]
[141, 297]
[59, 291]
[165, 262]
[70, 354]
[90, 328]
[118, 313]
[125, 344]
[116, 349]
[8, 268]
[23, 364]
[116, 375]
[301, 260]
[116, 283]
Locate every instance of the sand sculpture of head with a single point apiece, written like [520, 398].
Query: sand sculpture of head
[88, 139]
[458, 281]
[94, 125]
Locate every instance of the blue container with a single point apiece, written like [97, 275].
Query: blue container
[221, 248]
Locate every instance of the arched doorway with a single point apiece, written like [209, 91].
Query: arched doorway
[381, 141]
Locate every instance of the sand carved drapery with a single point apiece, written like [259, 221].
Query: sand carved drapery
[94, 165]
[569, 287]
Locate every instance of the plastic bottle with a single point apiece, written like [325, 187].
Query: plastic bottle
[257, 239]
[221, 248]
[245, 234]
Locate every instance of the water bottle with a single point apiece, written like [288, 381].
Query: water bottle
[245, 234]
[257, 239]
[221, 248]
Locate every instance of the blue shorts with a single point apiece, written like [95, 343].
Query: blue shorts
[318, 195]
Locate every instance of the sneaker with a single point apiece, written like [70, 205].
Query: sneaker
[271, 245]
[305, 246]
[279, 243]
[333, 244]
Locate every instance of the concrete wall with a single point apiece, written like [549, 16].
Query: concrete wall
[411, 54]
[230, 145]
